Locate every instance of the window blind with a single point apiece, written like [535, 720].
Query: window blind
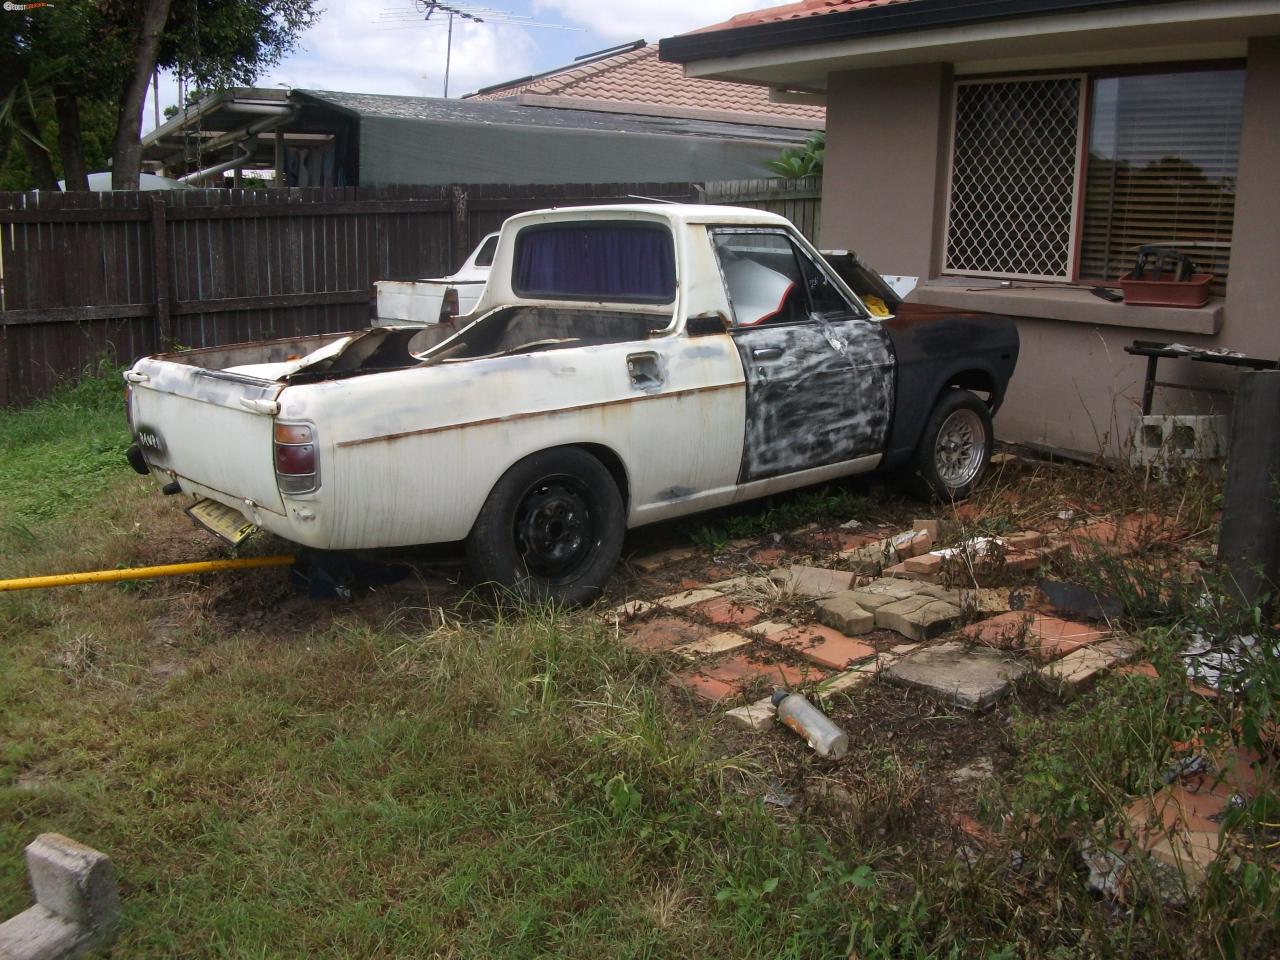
[1163, 156]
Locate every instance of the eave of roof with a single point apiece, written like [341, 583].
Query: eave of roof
[866, 21]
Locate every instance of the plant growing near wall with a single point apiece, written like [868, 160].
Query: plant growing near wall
[805, 161]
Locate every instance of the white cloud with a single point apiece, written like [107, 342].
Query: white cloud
[651, 19]
[354, 46]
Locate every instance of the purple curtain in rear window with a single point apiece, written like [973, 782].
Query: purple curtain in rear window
[606, 261]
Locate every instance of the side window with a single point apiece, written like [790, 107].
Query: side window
[762, 277]
[769, 281]
[824, 298]
[485, 257]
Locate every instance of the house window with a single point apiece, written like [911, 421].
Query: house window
[1163, 155]
[1034, 195]
[1013, 177]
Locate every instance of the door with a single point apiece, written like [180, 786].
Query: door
[819, 370]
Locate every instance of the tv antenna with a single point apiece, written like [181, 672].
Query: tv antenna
[421, 12]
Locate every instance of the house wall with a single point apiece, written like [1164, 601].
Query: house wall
[1075, 389]
[884, 184]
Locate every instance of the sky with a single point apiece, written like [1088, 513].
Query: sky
[379, 46]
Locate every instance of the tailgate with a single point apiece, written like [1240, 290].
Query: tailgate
[210, 427]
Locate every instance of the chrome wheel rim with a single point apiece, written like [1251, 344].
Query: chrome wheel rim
[959, 448]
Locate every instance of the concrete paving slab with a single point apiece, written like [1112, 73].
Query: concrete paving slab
[974, 678]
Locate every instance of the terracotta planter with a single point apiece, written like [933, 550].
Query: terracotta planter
[1167, 293]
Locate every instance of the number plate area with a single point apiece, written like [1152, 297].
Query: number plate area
[226, 522]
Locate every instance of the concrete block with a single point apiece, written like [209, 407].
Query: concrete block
[72, 880]
[973, 678]
[40, 934]
[842, 612]
[756, 717]
[814, 581]
[918, 618]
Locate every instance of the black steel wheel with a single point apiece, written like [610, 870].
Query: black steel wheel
[552, 528]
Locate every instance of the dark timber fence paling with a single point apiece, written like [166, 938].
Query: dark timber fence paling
[123, 274]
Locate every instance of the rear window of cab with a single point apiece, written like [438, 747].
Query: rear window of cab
[623, 261]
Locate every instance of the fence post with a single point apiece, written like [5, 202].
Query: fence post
[160, 271]
[1249, 540]
[461, 230]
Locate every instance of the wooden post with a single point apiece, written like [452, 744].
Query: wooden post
[461, 229]
[160, 271]
[5, 372]
[1249, 541]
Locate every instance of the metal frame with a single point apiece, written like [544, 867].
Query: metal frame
[1077, 171]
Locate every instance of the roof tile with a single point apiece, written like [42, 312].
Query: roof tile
[795, 11]
[638, 76]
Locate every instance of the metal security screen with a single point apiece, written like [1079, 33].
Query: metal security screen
[1013, 178]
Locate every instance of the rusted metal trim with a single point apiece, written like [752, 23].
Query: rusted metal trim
[516, 417]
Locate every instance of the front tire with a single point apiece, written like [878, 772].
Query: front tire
[551, 529]
[954, 449]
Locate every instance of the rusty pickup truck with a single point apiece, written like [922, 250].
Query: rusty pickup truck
[624, 365]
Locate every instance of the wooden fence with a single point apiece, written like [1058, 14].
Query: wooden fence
[800, 201]
[120, 275]
[113, 276]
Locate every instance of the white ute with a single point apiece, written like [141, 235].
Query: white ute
[436, 301]
[625, 364]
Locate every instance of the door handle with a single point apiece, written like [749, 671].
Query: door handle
[767, 353]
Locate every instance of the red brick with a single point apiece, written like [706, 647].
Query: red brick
[767, 556]
[726, 612]
[1052, 639]
[732, 676]
[1021, 562]
[1026, 540]
[1005, 632]
[929, 564]
[823, 646]
[1143, 669]
[663, 633]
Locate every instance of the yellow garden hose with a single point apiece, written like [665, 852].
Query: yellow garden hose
[144, 573]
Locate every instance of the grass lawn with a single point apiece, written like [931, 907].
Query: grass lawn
[280, 777]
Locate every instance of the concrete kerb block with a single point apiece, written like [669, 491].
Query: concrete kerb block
[77, 904]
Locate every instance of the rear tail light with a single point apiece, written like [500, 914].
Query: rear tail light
[449, 305]
[297, 461]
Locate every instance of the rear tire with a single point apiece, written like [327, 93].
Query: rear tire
[954, 449]
[551, 529]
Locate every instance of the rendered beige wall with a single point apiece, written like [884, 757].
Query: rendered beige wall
[1075, 389]
[885, 172]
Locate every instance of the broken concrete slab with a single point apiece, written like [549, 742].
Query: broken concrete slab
[756, 717]
[844, 682]
[1077, 671]
[631, 609]
[918, 618]
[813, 581]
[974, 678]
[842, 612]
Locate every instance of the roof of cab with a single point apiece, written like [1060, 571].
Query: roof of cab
[676, 213]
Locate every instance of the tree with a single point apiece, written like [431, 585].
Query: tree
[91, 51]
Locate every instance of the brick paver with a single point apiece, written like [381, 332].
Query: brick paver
[823, 646]
[665, 633]
[731, 677]
[726, 612]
